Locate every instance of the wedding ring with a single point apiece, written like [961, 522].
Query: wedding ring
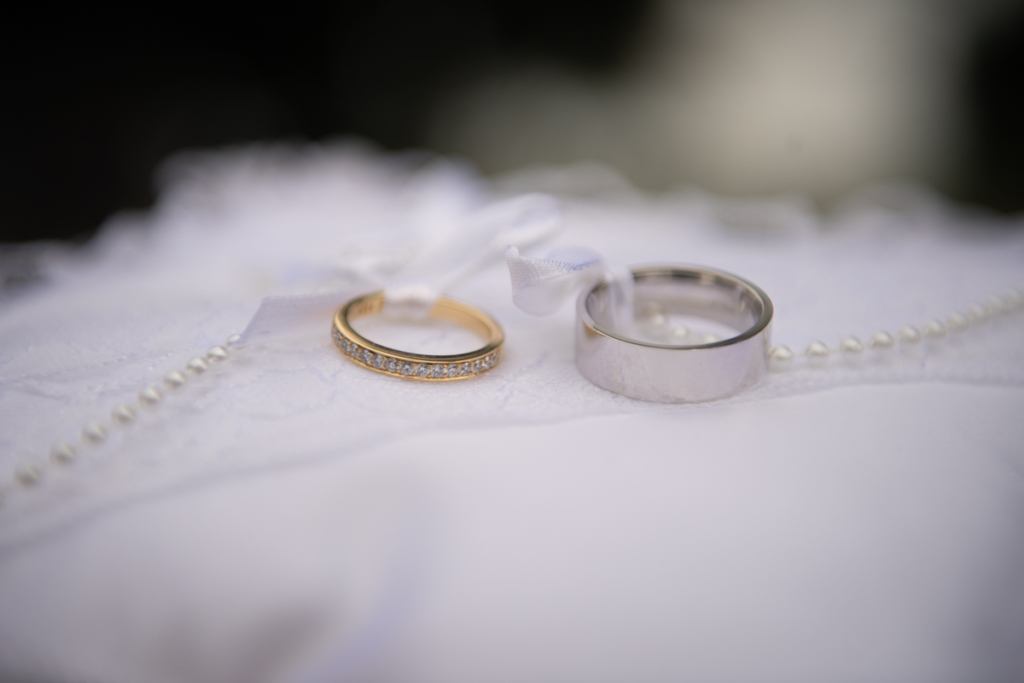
[413, 365]
[709, 369]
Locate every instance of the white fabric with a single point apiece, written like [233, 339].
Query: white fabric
[291, 516]
[541, 286]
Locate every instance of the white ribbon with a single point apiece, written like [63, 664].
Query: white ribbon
[540, 286]
[476, 243]
[412, 285]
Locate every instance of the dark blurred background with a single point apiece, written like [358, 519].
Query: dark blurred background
[736, 96]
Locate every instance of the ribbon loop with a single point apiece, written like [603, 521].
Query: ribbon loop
[540, 286]
[474, 243]
[413, 284]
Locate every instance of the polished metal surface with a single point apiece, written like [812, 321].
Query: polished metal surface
[677, 373]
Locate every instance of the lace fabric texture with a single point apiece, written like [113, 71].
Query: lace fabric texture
[157, 288]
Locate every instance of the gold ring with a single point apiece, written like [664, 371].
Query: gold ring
[414, 365]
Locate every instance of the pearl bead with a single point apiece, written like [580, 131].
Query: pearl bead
[150, 396]
[817, 351]
[680, 332]
[62, 453]
[122, 414]
[197, 366]
[957, 322]
[781, 356]
[217, 354]
[910, 335]
[977, 314]
[995, 307]
[934, 330]
[28, 474]
[94, 433]
[233, 340]
[882, 341]
[851, 346]
[174, 379]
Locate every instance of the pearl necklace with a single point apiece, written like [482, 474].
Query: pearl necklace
[94, 433]
[817, 353]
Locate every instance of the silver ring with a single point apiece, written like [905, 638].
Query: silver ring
[677, 373]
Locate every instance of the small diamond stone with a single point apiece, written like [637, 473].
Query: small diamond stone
[477, 366]
[464, 369]
[439, 371]
[391, 365]
[368, 357]
[353, 350]
[406, 369]
[422, 370]
[453, 370]
[378, 361]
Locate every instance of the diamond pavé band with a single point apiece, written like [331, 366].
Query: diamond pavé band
[413, 365]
